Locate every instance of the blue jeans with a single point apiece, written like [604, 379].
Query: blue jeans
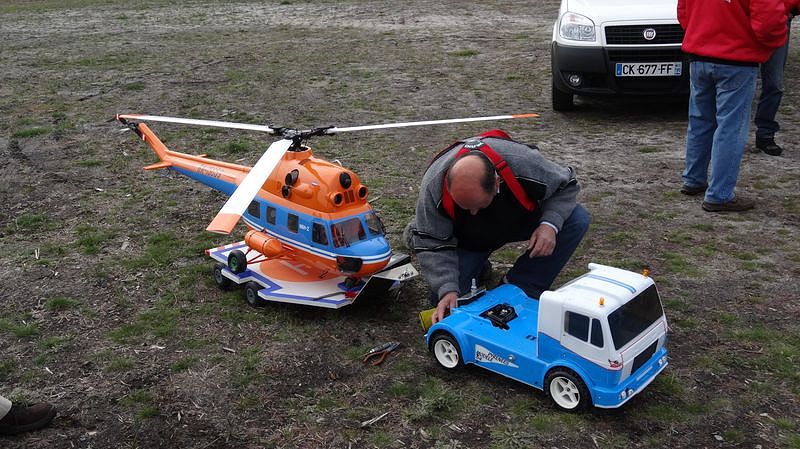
[719, 121]
[771, 91]
[533, 275]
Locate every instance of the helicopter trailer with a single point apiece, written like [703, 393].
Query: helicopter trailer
[278, 280]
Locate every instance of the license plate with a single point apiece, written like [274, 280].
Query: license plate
[648, 68]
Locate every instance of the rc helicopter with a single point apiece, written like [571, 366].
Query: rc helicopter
[313, 237]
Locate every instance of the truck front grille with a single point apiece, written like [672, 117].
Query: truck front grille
[634, 34]
[643, 357]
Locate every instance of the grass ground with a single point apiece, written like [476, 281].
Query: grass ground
[107, 307]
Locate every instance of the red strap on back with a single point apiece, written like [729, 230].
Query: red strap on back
[499, 133]
[500, 166]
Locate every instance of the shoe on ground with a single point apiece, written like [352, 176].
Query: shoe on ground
[737, 204]
[25, 419]
[769, 146]
[692, 191]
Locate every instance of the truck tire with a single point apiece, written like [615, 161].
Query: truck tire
[446, 352]
[220, 279]
[562, 101]
[237, 261]
[251, 294]
[567, 390]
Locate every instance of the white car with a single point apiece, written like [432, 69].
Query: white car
[617, 47]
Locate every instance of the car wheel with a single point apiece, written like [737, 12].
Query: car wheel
[562, 101]
[567, 390]
[220, 279]
[251, 294]
[237, 261]
[446, 351]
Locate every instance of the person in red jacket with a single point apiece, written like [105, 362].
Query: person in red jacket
[726, 41]
[772, 91]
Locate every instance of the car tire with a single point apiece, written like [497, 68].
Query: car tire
[562, 101]
[237, 262]
[251, 294]
[219, 278]
[566, 389]
[446, 352]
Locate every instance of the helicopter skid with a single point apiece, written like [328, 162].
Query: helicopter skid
[291, 282]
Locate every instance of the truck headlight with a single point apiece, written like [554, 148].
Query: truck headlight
[576, 27]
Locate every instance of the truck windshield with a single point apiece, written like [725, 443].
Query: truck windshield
[637, 315]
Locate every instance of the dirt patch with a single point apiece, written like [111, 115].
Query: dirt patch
[106, 303]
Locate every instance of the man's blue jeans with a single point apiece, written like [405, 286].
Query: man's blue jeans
[771, 91]
[719, 121]
[534, 275]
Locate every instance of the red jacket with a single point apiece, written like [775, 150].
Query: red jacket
[734, 30]
[792, 6]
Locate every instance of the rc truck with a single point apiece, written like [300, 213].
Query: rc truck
[597, 340]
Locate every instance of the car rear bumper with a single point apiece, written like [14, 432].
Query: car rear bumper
[596, 67]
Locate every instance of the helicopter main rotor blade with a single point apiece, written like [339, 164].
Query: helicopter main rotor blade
[335, 130]
[191, 121]
[233, 209]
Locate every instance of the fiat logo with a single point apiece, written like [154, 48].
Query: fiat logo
[649, 34]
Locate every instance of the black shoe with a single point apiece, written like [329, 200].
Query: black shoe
[737, 204]
[769, 146]
[692, 191]
[26, 419]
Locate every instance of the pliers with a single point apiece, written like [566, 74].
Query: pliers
[378, 354]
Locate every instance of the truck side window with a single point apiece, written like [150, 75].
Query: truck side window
[597, 333]
[577, 325]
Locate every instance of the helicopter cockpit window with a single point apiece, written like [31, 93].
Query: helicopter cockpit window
[254, 209]
[374, 224]
[271, 215]
[347, 232]
[292, 222]
[318, 234]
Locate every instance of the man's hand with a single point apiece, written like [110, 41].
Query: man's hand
[543, 241]
[447, 302]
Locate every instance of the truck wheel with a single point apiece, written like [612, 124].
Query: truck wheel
[446, 351]
[567, 390]
[220, 279]
[237, 261]
[562, 101]
[251, 294]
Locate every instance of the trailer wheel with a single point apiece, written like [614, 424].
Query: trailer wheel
[251, 294]
[220, 279]
[237, 261]
[567, 390]
[446, 351]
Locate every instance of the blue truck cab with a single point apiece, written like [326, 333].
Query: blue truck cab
[597, 340]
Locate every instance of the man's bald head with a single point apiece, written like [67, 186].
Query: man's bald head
[472, 182]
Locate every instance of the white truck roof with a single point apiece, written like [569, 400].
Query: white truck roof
[583, 295]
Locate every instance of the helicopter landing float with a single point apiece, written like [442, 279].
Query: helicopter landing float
[306, 215]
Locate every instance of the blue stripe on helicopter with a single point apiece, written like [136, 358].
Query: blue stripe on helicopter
[322, 253]
[228, 188]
